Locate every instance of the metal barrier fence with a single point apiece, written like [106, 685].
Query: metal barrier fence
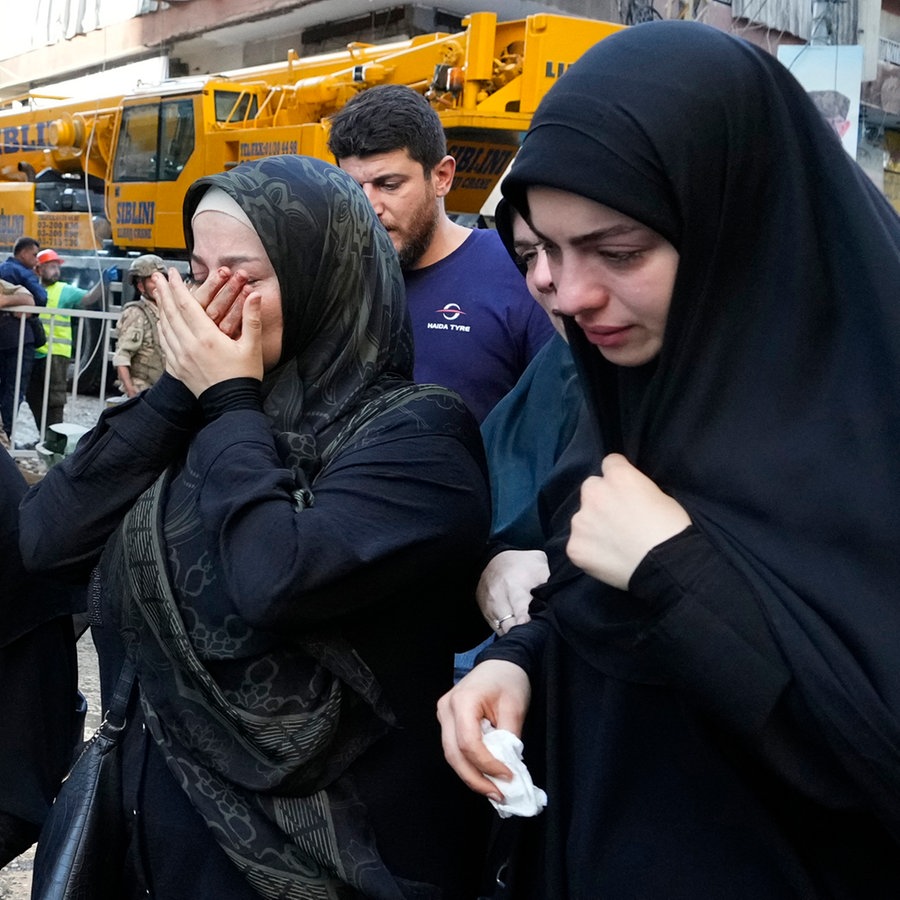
[90, 351]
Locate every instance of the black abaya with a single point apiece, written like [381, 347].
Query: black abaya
[731, 725]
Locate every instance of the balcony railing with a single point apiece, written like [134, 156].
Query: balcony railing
[889, 51]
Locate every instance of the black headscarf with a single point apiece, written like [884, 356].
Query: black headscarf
[772, 412]
[346, 329]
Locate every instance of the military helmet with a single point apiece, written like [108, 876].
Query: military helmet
[144, 266]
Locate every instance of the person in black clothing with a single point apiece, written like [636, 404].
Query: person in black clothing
[710, 676]
[288, 532]
[42, 722]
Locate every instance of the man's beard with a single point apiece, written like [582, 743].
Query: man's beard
[421, 231]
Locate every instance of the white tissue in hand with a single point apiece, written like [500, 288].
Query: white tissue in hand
[520, 796]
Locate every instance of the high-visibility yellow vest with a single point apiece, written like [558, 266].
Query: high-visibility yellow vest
[59, 334]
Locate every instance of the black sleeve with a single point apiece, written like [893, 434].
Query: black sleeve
[229, 395]
[720, 654]
[706, 620]
[522, 645]
[66, 518]
[386, 514]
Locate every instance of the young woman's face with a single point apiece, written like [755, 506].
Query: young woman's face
[221, 240]
[613, 275]
[531, 255]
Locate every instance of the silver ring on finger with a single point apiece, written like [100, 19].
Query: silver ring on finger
[503, 619]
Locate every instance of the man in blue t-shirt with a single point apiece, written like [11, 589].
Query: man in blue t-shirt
[476, 328]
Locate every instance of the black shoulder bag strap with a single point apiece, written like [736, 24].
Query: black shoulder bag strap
[82, 842]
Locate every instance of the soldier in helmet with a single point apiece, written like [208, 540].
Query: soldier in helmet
[139, 359]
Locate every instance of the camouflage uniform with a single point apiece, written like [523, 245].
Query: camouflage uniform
[137, 344]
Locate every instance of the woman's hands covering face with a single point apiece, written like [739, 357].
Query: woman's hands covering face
[222, 295]
[210, 333]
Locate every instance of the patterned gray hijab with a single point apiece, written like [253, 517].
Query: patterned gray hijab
[272, 785]
[346, 329]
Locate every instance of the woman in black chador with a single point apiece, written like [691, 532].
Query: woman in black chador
[288, 559]
[715, 661]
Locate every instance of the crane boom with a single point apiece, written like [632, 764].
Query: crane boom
[113, 171]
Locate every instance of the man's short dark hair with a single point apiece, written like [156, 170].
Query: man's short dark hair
[386, 118]
[23, 243]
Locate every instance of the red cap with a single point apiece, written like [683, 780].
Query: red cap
[46, 256]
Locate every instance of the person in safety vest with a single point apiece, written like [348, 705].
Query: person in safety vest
[58, 348]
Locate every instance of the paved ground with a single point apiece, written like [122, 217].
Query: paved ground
[15, 879]
[83, 410]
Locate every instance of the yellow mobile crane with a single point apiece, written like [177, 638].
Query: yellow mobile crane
[113, 172]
